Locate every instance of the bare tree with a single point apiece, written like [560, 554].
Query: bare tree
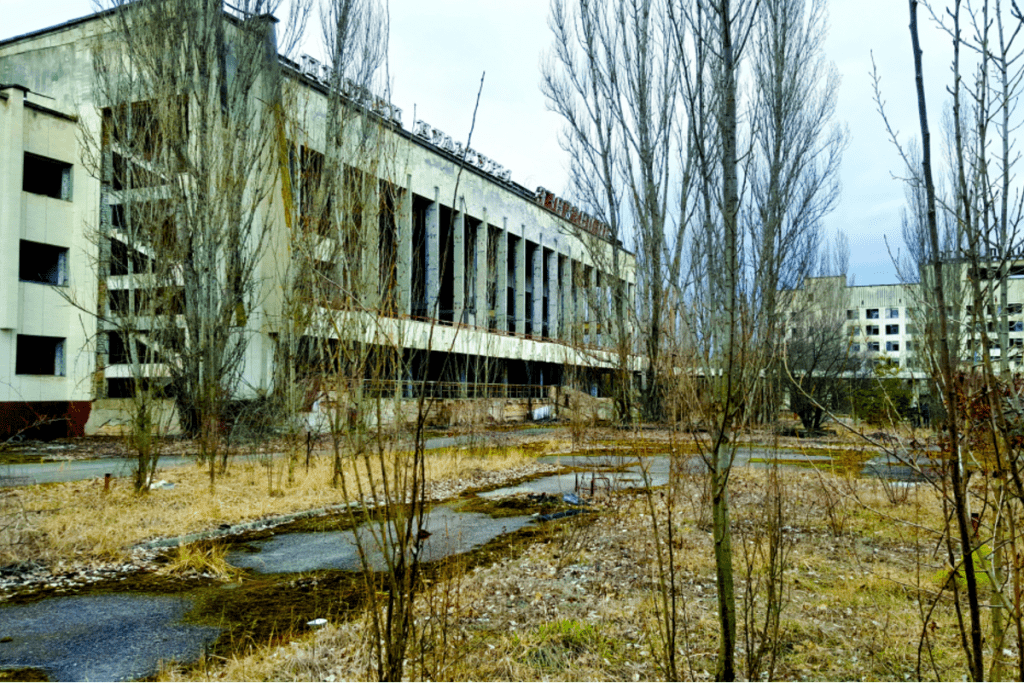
[777, 190]
[187, 91]
[818, 356]
[946, 366]
[797, 147]
[797, 144]
[976, 255]
[614, 82]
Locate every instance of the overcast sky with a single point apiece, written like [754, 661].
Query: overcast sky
[439, 48]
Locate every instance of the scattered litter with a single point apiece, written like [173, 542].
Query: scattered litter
[162, 484]
[317, 623]
[573, 499]
[560, 515]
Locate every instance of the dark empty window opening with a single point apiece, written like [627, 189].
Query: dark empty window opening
[39, 355]
[42, 263]
[47, 177]
[892, 329]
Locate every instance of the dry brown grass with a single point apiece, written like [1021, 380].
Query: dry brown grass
[80, 520]
[853, 612]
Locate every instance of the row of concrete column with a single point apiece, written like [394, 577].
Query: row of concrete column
[470, 302]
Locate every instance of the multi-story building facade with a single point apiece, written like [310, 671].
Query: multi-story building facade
[474, 279]
[888, 322]
[45, 342]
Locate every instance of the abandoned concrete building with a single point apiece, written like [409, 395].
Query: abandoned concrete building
[479, 286]
[887, 323]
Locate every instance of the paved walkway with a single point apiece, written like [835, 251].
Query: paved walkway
[76, 470]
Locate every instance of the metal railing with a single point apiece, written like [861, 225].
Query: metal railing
[393, 388]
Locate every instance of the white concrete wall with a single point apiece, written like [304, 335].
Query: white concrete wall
[31, 308]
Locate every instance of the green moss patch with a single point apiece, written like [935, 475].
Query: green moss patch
[27, 673]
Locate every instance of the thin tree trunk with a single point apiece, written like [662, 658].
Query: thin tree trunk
[974, 652]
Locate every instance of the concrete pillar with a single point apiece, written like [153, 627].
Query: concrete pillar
[370, 247]
[433, 255]
[537, 315]
[631, 297]
[501, 277]
[613, 333]
[608, 301]
[483, 313]
[580, 288]
[404, 229]
[459, 264]
[553, 295]
[521, 282]
[12, 141]
[566, 311]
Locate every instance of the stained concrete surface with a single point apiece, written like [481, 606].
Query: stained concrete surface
[451, 533]
[100, 637]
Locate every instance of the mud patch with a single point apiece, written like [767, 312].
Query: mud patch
[514, 506]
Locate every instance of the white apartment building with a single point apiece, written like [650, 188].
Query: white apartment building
[46, 348]
[888, 321]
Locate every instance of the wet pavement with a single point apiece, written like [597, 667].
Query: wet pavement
[115, 637]
[75, 470]
[451, 533]
[100, 637]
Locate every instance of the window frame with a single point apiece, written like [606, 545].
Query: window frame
[59, 267]
[32, 183]
[26, 366]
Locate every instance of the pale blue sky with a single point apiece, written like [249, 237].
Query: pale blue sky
[439, 49]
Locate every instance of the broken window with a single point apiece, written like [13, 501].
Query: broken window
[314, 199]
[122, 256]
[43, 263]
[872, 313]
[892, 329]
[148, 139]
[1015, 309]
[872, 346]
[892, 313]
[120, 353]
[892, 346]
[47, 177]
[851, 314]
[39, 355]
[871, 329]
[1016, 326]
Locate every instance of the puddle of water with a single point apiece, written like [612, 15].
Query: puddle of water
[451, 533]
[100, 637]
